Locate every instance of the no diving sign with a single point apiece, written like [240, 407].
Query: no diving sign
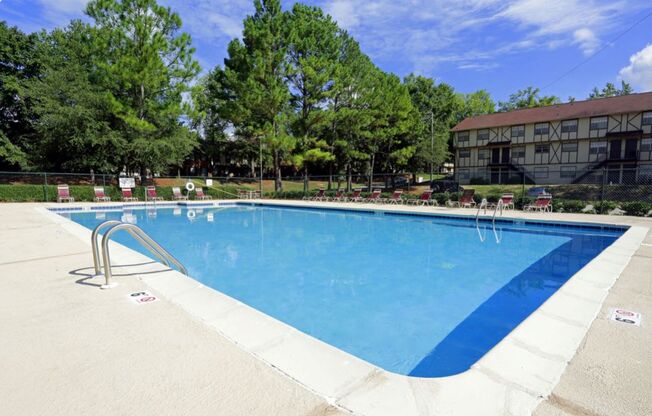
[625, 316]
[142, 297]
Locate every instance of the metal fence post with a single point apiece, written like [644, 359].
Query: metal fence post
[45, 186]
[604, 180]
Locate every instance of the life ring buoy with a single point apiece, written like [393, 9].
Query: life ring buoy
[190, 186]
[191, 214]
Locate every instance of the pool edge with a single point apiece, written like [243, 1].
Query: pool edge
[522, 366]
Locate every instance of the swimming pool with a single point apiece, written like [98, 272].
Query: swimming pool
[416, 295]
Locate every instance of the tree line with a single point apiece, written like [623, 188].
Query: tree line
[295, 95]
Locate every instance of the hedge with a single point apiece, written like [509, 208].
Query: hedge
[85, 193]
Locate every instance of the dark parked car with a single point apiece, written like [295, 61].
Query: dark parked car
[444, 185]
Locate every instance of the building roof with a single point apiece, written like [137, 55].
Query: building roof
[579, 109]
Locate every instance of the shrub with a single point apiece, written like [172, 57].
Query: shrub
[606, 206]
[638, 208]
[478, 181]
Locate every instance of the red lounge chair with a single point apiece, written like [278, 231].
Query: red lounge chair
[355, 196]
[395, 198]
[199, 194]
[127, 196]
[340, 196]
[63, 194]
[373, 197]
[543, 203]
[319, 196]
[508, 201]
[177, 195]
[466, 200]
[100, 196]
[151, 194]
[424, 199]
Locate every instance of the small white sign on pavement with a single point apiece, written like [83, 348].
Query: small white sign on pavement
[625, 316]
[143, 297]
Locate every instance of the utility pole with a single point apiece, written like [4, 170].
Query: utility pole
[432, 142]
[260, 159]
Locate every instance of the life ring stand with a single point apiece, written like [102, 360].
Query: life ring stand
[190, 186]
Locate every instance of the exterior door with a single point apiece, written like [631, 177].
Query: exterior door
[631, 147]
[495, 176]
[495, 155]
[505, 158]
[615, 150]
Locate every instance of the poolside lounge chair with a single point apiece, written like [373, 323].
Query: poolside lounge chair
[466, 200]
[199, 194]
[340, 196]
[127, 196]
[151, 194]
[373, 198]
[319, 196]
[395, 198]
[355, 196]
[63, 194]
[508, 201]
[100, 196]
[543, 203]
[424, 199]
[177, 195]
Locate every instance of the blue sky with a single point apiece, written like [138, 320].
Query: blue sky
[499, 45]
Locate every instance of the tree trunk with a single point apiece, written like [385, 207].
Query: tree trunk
[330, 176]
[371, 170]
[349, 177]
[278, 184]
[252, 165]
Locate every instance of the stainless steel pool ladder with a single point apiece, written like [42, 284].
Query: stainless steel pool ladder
[139, 235]
[484, 204]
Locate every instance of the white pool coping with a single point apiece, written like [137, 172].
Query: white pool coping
[512, 378]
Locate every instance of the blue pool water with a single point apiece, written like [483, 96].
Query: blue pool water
[416, 295]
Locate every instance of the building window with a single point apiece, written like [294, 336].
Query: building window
[463, 174]
[463, 138]
[518, 131]
[568, 172]
[483, 154]
[646, 145]
[647, 118]
[518, 152]
[541, 129]
[569, 147]
[542, 148]
[598, 123]
[645, 173]
[598, 148]
[569, 126]
[541, 173]
[464, 154]
[483, 134]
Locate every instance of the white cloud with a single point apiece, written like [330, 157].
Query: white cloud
[639, 70]
[344, 12]
[586, 40]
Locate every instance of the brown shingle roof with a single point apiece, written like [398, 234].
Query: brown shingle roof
[579, 109]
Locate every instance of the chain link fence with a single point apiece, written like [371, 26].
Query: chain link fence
[604, 190]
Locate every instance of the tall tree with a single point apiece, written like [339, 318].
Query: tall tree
[147, 65]
[255, 74]
[527, 98]
[474, 104]
[313, 46]
[18, 64]
[437, 105]
[610, 90]
[73, 119]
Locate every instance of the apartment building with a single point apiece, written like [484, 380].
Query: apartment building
[564, 143]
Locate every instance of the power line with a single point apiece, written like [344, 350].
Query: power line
[588, 58]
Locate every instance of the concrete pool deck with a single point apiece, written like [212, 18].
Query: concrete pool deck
[163, 359]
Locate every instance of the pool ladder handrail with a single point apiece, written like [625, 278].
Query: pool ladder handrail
[139, 235]
[485, 204]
